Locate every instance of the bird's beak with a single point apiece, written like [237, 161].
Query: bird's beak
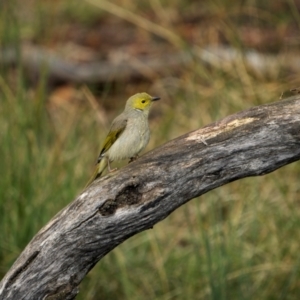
[155, 98]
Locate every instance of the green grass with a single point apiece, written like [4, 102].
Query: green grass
[240, 241]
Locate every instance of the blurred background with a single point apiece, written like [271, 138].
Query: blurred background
[66, 70]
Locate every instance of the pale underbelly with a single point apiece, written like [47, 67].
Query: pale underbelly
[128, 145]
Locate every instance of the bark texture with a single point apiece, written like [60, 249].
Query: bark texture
[115, 207]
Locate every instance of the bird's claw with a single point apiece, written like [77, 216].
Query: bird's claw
[133, 158]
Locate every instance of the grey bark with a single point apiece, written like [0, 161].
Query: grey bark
[115, 207]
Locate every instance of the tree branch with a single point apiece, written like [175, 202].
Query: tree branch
[115, 207]
[35, 59]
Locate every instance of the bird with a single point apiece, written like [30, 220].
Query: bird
[129, 134]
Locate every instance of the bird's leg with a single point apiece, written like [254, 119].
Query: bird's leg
[109, 168]
[133, 158]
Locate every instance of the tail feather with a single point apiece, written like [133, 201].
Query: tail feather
[100, 167]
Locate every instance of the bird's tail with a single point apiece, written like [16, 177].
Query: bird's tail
[100, 167]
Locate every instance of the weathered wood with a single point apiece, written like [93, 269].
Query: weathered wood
[36, 59]
[115, 207]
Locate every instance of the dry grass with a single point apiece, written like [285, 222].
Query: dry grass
[240, 241]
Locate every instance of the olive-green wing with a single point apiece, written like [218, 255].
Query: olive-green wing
[116, 129]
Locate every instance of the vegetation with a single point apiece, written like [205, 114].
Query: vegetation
[240, 241]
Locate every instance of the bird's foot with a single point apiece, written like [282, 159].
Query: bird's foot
[110, 170]
[133, 158]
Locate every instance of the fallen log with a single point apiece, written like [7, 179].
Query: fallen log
[36, 60]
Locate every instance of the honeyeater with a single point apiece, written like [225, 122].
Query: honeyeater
[129, 133]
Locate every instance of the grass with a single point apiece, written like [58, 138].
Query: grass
[240, 241]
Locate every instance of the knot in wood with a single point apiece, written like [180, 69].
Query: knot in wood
[129, 195]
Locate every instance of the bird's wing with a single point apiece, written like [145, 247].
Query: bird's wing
[117, 128]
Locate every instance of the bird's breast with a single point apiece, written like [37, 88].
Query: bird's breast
[133, 140]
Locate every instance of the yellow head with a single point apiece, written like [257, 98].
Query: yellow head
[140, 101]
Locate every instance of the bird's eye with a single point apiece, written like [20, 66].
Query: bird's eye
[143, 101]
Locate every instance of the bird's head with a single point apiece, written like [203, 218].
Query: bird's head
[140, 101]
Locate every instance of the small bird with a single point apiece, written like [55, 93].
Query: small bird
[129, 134]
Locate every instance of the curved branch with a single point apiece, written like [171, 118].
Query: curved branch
[115, 207]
